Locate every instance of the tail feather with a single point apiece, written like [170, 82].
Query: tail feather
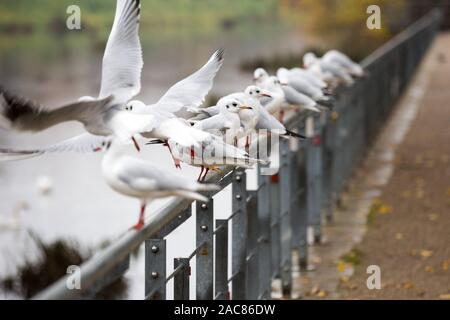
[294, 134]
[191, 195]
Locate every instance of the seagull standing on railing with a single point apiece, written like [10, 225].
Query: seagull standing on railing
[328, 72]
[139, 179]
[338, 58]
[211, 156]
[285, 97]
[300, 83]
[227, 122]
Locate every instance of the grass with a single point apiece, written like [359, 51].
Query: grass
[353, 257]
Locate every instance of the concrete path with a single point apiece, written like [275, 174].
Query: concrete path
[396, 214]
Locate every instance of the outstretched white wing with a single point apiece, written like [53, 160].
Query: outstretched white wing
[191, 91]
[122, 61]
[83, 143]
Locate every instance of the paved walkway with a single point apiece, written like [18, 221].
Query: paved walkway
[397, 212]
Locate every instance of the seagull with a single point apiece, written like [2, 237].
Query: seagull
[227, 121]
[121, 81]
[338, 58]
[312, 78]
[285, 97]
[301, 83]
[329, 72]
[140, 179]
[211, 155]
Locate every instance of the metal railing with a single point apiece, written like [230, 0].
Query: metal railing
[271, 222]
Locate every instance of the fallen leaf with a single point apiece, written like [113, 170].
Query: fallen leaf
[399, 236]
[429, 269]
[413, 252]
[341, 266]
[322, 294]
[385, 209]
[445, 265]
[408, 285]
[315, 290]
[345, 279]
[445, 296]
[426, 253]
[433, 216]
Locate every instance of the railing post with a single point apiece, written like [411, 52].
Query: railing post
[275, 241]
[221, 254]
[239, 235]
[264, 248]
[312, 181]
[252, 260]
[181, 279]
[285, 218]
[204, 259]
[299, 220]
[155, 269]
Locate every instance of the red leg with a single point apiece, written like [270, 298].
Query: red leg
[281, 117]
[201, 172]
[175, 161]
[204, 176]
[138, 226]
[136, 144]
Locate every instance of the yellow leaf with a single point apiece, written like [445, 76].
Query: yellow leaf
[429, 269]
[408, 285]
[433, 216]
[345, 279]
[445, 296]
[399, 236]
[385, 209]
[426, 253]
[445, 265]
[322, 293]
[341, 266]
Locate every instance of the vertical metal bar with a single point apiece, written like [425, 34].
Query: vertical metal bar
[181, 279]
[275, 225]
[264, 248]
[311, 174]
[221, 254]
[285, 219]
[155, 269]
[239, 235]
[317, 141]
[204, 259]
[252, 247]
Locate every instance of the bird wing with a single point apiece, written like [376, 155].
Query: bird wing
[191, 91]
[296, 98]
[122, 60]
[215, 122]
[83, 143]
[268, 121]
[23, 114]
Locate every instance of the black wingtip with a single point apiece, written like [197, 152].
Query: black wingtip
[294, 134]
[157, 141]
[219, 54]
